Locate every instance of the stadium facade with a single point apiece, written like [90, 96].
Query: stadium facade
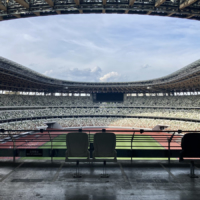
[15, 77]
[28, 99]
[14, 9]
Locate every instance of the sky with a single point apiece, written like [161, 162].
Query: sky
[101, 47]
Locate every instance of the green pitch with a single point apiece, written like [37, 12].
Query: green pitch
[123, 142]
[139, 142]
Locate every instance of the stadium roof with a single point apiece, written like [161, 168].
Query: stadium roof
[14, 9]
[15, 77]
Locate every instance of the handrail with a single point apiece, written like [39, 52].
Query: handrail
[100, 130]
[130, 141]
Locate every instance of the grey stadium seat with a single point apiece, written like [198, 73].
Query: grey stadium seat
[190, 148]
[77, 146]
[104, 146]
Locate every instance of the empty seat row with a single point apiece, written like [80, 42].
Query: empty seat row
[102, 121]
[177, 113]
[104, 148]
[34, 100]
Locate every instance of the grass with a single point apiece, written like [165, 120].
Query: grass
[139, 142]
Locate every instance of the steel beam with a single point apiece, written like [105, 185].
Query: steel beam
[23, 3]
[77, 2]
[170, 14]
[50, 2]
[190, 16]
[126, 11]
[131, 2]
[159, 2]
[37, 13]
[17, 15]
[104, 2]
[2, 7]
[187, 3]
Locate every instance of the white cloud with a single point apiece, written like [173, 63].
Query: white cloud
[109, 77]
[76, 74]
[30, 38]
[48, 73]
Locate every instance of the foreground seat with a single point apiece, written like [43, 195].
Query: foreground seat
[104, 148]
[77, 149]
[190, 144]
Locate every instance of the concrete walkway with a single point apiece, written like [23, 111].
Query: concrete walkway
[142, 180]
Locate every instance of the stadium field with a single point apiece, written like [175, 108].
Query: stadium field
[139, 142]
[149, 143]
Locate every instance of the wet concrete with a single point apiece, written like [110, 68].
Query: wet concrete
[154, 180]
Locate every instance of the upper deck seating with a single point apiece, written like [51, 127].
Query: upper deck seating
[73, 101]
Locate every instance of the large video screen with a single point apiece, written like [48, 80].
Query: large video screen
[103, 97]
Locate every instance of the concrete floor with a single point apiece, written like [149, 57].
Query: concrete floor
[142, 180]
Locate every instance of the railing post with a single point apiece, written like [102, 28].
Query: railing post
[51, 146]
[132, 147]
[169, 141]
[2, 131]
[169, 151]
[13, 145]
[91, 145]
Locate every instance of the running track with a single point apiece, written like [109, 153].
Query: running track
[42, 138]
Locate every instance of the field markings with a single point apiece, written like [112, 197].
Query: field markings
[12, 171]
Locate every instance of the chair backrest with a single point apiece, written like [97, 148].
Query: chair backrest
[77, 144]
[191, 145]
[104, 145]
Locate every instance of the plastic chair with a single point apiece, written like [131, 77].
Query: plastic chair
[77, 146]
[190, 144]
[104, 146]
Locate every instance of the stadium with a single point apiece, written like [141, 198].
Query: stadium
[172, 100]
[147, 119]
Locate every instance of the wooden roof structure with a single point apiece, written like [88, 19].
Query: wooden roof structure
[16, 9]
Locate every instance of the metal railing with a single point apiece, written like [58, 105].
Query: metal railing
[130, 143]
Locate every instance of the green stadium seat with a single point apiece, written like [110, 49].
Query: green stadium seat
[104, 148]
[77, 147]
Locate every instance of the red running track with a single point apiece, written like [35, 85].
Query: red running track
[27, 141]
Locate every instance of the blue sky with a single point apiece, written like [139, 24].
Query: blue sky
[101, 47]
